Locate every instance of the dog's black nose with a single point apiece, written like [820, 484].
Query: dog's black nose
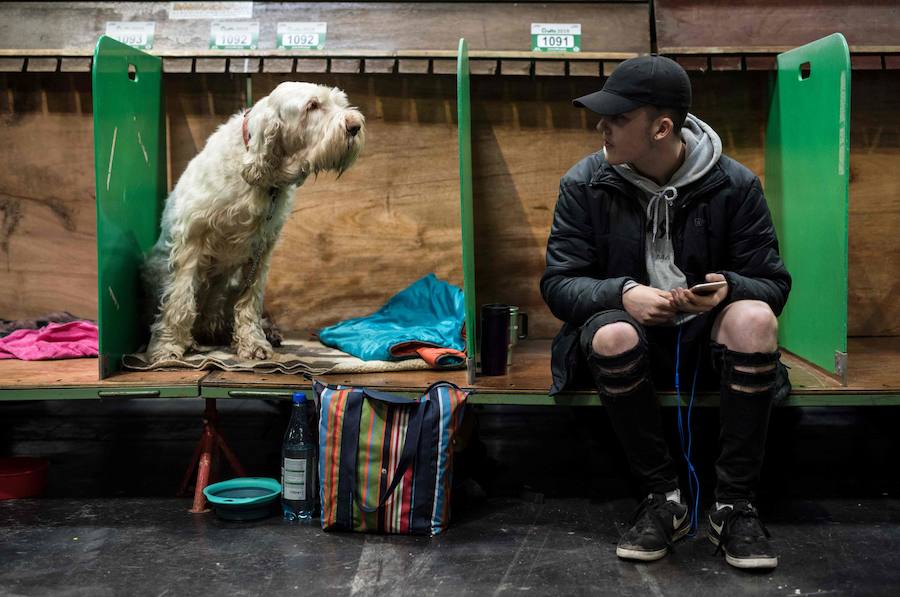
[353, 129]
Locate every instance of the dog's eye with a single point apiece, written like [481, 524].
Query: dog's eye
[312, 104]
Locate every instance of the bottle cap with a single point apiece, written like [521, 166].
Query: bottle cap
[299, 397]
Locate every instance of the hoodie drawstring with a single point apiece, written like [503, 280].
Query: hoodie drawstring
[668, 194]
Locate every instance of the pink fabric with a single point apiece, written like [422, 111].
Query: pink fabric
[54, 341]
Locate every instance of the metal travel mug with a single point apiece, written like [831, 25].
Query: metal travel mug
[494, 338]
[518, 330]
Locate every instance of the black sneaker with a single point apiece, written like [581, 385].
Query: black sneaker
[656, 525]
[738, 531]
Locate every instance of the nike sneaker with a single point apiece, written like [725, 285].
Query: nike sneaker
[737, 531]
[655, 526]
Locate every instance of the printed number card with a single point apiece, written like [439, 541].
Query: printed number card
[229, 35]
[301, 36]
[555, 37]
[210, 10]
[137, 34]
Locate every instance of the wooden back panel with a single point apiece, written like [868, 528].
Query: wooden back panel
[765, 24]
[526, 135]
[607, 26]
[394, 216]
[48, 253]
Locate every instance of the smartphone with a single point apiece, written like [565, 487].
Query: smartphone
[708, 287]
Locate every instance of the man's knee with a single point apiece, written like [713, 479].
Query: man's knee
[614, 339]
[748, 327]
[618, 360]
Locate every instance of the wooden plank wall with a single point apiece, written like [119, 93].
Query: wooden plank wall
[48, 255]
[764, 24]
[607, 26]
[874, 306]
[349, 246]
[526, 136]
[393, 217]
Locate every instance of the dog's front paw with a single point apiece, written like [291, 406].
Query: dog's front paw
[168, 351]
[255, 350]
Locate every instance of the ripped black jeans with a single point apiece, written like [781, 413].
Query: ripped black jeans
[627, 382]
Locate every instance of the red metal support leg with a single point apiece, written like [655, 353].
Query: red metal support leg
[203, 470]
[205, 457]
[182, 490]
[230, 457]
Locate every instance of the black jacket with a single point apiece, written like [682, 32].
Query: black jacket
[597, 243]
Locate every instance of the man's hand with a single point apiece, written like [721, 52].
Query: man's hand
[687, 301]
[650, 306]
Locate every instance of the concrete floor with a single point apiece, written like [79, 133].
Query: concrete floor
[557, 499]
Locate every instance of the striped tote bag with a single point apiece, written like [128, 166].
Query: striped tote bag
[385, 461]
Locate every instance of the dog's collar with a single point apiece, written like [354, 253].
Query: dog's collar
[245, 129]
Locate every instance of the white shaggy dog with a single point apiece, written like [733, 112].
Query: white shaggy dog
[207, 272]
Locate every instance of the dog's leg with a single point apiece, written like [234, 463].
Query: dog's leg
[249, 339]
[215, 312]
[271, 330]
[171, 332]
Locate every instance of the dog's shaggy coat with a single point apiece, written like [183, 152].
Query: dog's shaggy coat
[207, 272]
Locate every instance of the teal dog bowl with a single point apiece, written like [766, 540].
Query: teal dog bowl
[244, 498]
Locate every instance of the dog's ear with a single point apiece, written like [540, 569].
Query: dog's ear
[264, 152]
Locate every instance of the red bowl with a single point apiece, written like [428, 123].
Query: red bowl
[22, 476]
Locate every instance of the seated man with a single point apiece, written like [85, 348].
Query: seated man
[657, 211]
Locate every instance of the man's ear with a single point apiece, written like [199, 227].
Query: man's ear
[663, 126]
[264, 151]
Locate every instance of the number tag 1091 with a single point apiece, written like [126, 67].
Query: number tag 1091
[555, 37]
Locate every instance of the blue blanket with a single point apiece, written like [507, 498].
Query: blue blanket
[429, 311]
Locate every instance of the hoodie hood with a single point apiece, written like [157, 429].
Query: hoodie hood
[702, 147]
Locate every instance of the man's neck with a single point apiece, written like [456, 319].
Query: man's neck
[662, 164]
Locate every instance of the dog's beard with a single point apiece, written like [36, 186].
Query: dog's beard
[328, 158]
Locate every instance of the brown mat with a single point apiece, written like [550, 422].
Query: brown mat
[308, 357]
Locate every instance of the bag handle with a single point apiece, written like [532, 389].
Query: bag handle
[388, 397]
[410, 450]
[410, 444]
[394, 399]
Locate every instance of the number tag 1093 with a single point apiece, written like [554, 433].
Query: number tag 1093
[137, 34]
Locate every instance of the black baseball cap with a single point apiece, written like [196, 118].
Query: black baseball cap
[641, 81]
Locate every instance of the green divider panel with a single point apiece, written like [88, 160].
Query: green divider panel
[807, 178]
[464, 108]
[130, 171]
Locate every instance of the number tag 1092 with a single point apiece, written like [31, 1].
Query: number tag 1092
[301, 36]
[233, 36]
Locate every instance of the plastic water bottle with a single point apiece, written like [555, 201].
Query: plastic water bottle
[299, 464]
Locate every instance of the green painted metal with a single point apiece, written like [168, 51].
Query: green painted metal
[666, 399]
[807, 178]
[842, 398]
[839, 398]
[98, 392]
[130, 178]
[464, 108]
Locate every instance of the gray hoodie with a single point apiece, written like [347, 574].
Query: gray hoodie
[702, 150]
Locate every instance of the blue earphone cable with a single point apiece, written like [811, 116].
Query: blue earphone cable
[693, 480]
